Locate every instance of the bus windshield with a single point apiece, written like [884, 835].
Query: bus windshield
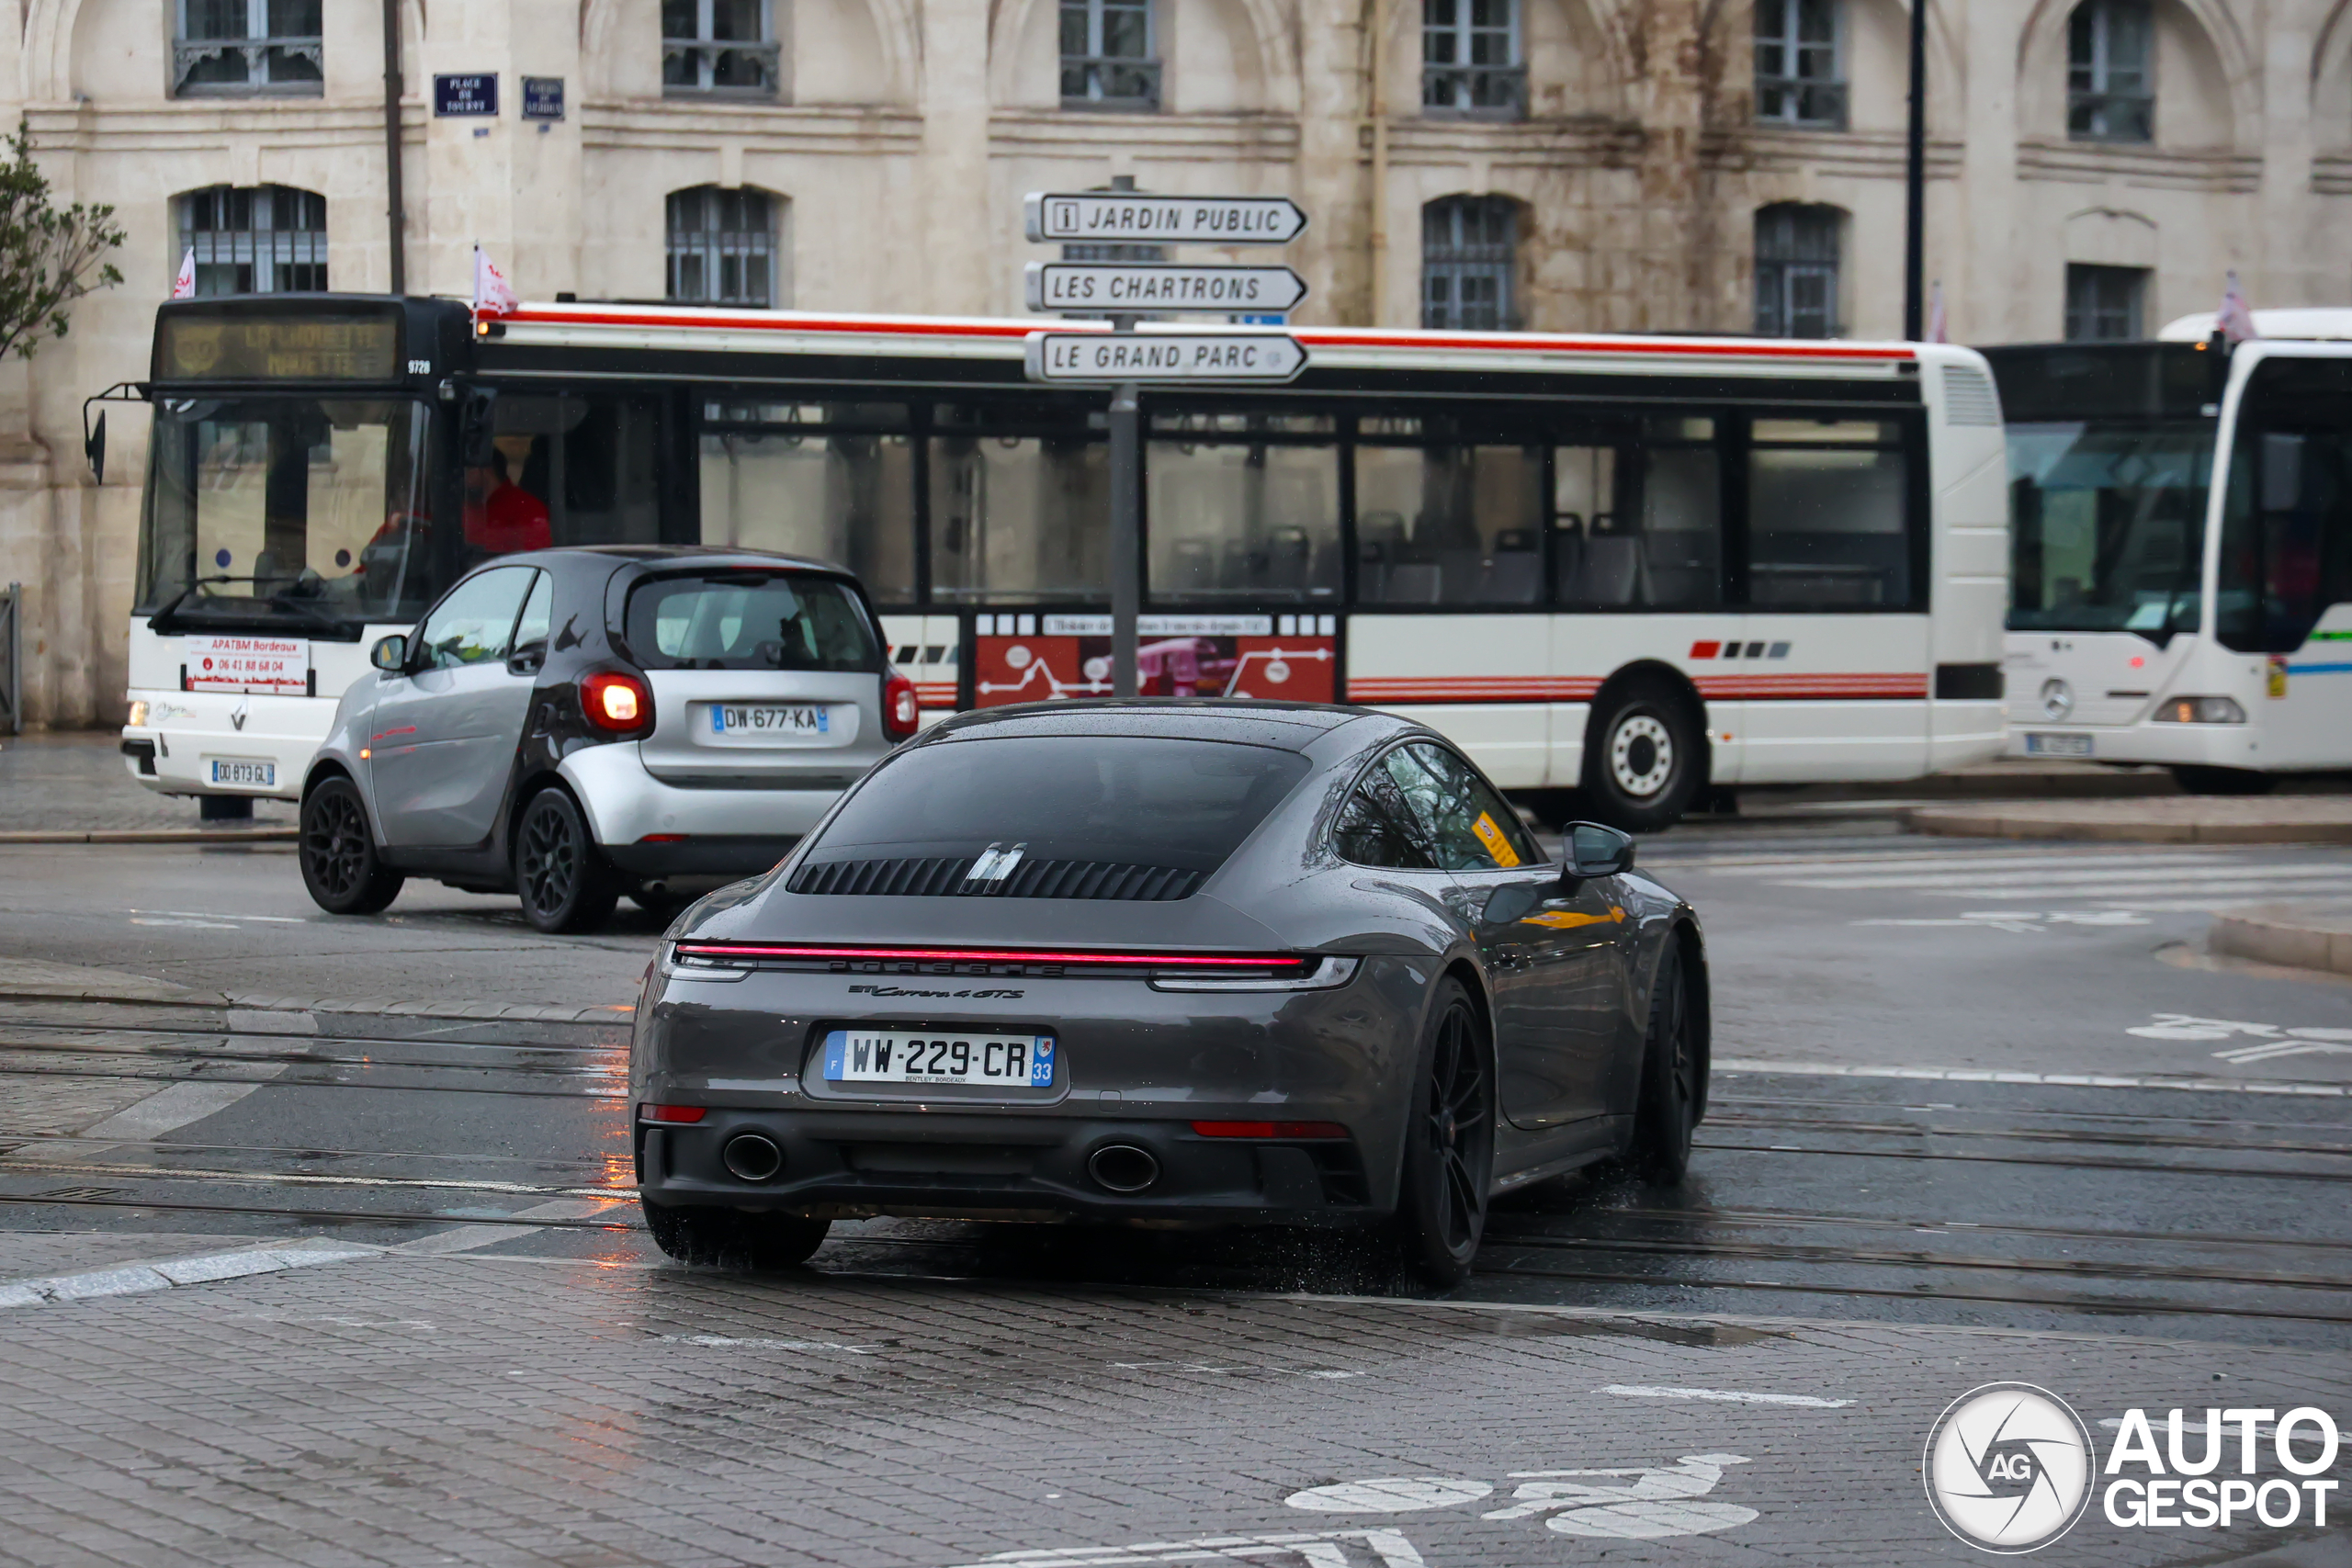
[285, 512]
[2108, 526]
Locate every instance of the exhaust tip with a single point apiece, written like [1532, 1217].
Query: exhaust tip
[1122, 1168]
[752, 1157]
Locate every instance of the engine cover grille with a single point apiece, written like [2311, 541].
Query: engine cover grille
[946, 877]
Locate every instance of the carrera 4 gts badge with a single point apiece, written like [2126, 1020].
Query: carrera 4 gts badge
[904, 992]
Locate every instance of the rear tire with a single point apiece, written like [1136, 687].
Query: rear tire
[340, 864]
[2194, 779]
[1642, 758]
[1674, 1071]
[1449, 1157]
[559, 870]
[729, 1238]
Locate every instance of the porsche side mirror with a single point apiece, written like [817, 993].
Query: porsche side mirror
[1595, 851]
[390, 654]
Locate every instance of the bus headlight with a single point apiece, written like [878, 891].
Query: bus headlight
[139, 714]
[2199, 710]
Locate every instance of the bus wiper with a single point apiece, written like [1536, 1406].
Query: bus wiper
[158, 621]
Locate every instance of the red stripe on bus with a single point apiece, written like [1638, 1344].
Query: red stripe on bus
[1754, 688]
[916, 326]
[1528, 340]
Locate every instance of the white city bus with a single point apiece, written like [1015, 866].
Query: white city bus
[1647, 567]
[2182, 555]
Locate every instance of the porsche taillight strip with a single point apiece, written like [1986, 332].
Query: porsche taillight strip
[723, 951]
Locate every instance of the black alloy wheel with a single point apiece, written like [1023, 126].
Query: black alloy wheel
[1673, 1076]
[340, 865]
[565, 884]
[729, 1238]
[1644, 755]
[1449, 1145]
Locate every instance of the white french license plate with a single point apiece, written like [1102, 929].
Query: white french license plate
[995, 1061]
[795, 719]
[253, 775]
[2057, 745]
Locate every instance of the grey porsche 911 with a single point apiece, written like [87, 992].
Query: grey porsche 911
[1193, 963]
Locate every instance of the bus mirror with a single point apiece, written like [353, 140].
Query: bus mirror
[390, 653]
[94, 446]
[476, 426]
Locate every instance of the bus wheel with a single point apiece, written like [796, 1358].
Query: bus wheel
[2195, 779]
[1642, 758]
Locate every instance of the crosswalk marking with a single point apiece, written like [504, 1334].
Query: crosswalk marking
[2164, 881]
[2002, 876]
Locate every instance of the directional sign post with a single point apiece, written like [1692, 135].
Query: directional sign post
[1125, 217]
[1124, 358]
[1258, 357]
[1114, 286]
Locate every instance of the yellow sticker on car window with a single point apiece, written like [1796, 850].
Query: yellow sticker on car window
[1498, 842]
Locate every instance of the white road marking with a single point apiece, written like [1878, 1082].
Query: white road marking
[167, 1110]
[2023, 923]
[466, 1238]
[2003, 876]
[722, 1341]
[1328, 1550]
[209, 914]
[137, 1279]
[1989, 1075]
[516, 1188]
[1635, 1390]
[1389, 1494]
[1640, 1503]
[1812, 865]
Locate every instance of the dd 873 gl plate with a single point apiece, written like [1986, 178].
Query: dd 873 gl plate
[939, 1056]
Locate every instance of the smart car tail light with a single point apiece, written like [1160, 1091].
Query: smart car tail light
[616, 701]
[901, 712]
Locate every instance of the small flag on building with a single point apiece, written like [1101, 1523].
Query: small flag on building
[2235, 321]
[183, 286]
[1935, 330]
[493, 294]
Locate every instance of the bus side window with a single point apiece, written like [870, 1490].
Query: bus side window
[1828, 503]
[1448, 524]
[1640, 526]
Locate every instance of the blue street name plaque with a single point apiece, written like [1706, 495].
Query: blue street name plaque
[542, 98]
[476, 95]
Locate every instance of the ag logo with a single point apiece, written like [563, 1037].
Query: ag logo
[2008, 1468]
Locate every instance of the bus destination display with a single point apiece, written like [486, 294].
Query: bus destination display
[275, 348]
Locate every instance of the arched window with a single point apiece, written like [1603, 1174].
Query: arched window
[1799, 63]
[253, 239]
[1797, 270]
[722, 246]
[223, 48]
[1110, 59]
[2111, 72]
[1469, 263]
[1473, 59]
[727, 47]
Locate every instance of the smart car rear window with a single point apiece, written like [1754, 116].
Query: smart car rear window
[1123, 801]
[737, 620]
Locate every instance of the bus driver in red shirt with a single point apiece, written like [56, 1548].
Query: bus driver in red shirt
[500, 515]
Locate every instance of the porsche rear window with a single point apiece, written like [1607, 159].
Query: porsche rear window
[748, 620]
[1133, 800]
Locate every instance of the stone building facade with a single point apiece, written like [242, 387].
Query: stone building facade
[2094, 167]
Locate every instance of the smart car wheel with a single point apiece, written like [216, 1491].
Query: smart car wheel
[1642, 758]
[565, 885]
[1673, 1065]
[1449, 1145]
[340, 865]
[729, 1239]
